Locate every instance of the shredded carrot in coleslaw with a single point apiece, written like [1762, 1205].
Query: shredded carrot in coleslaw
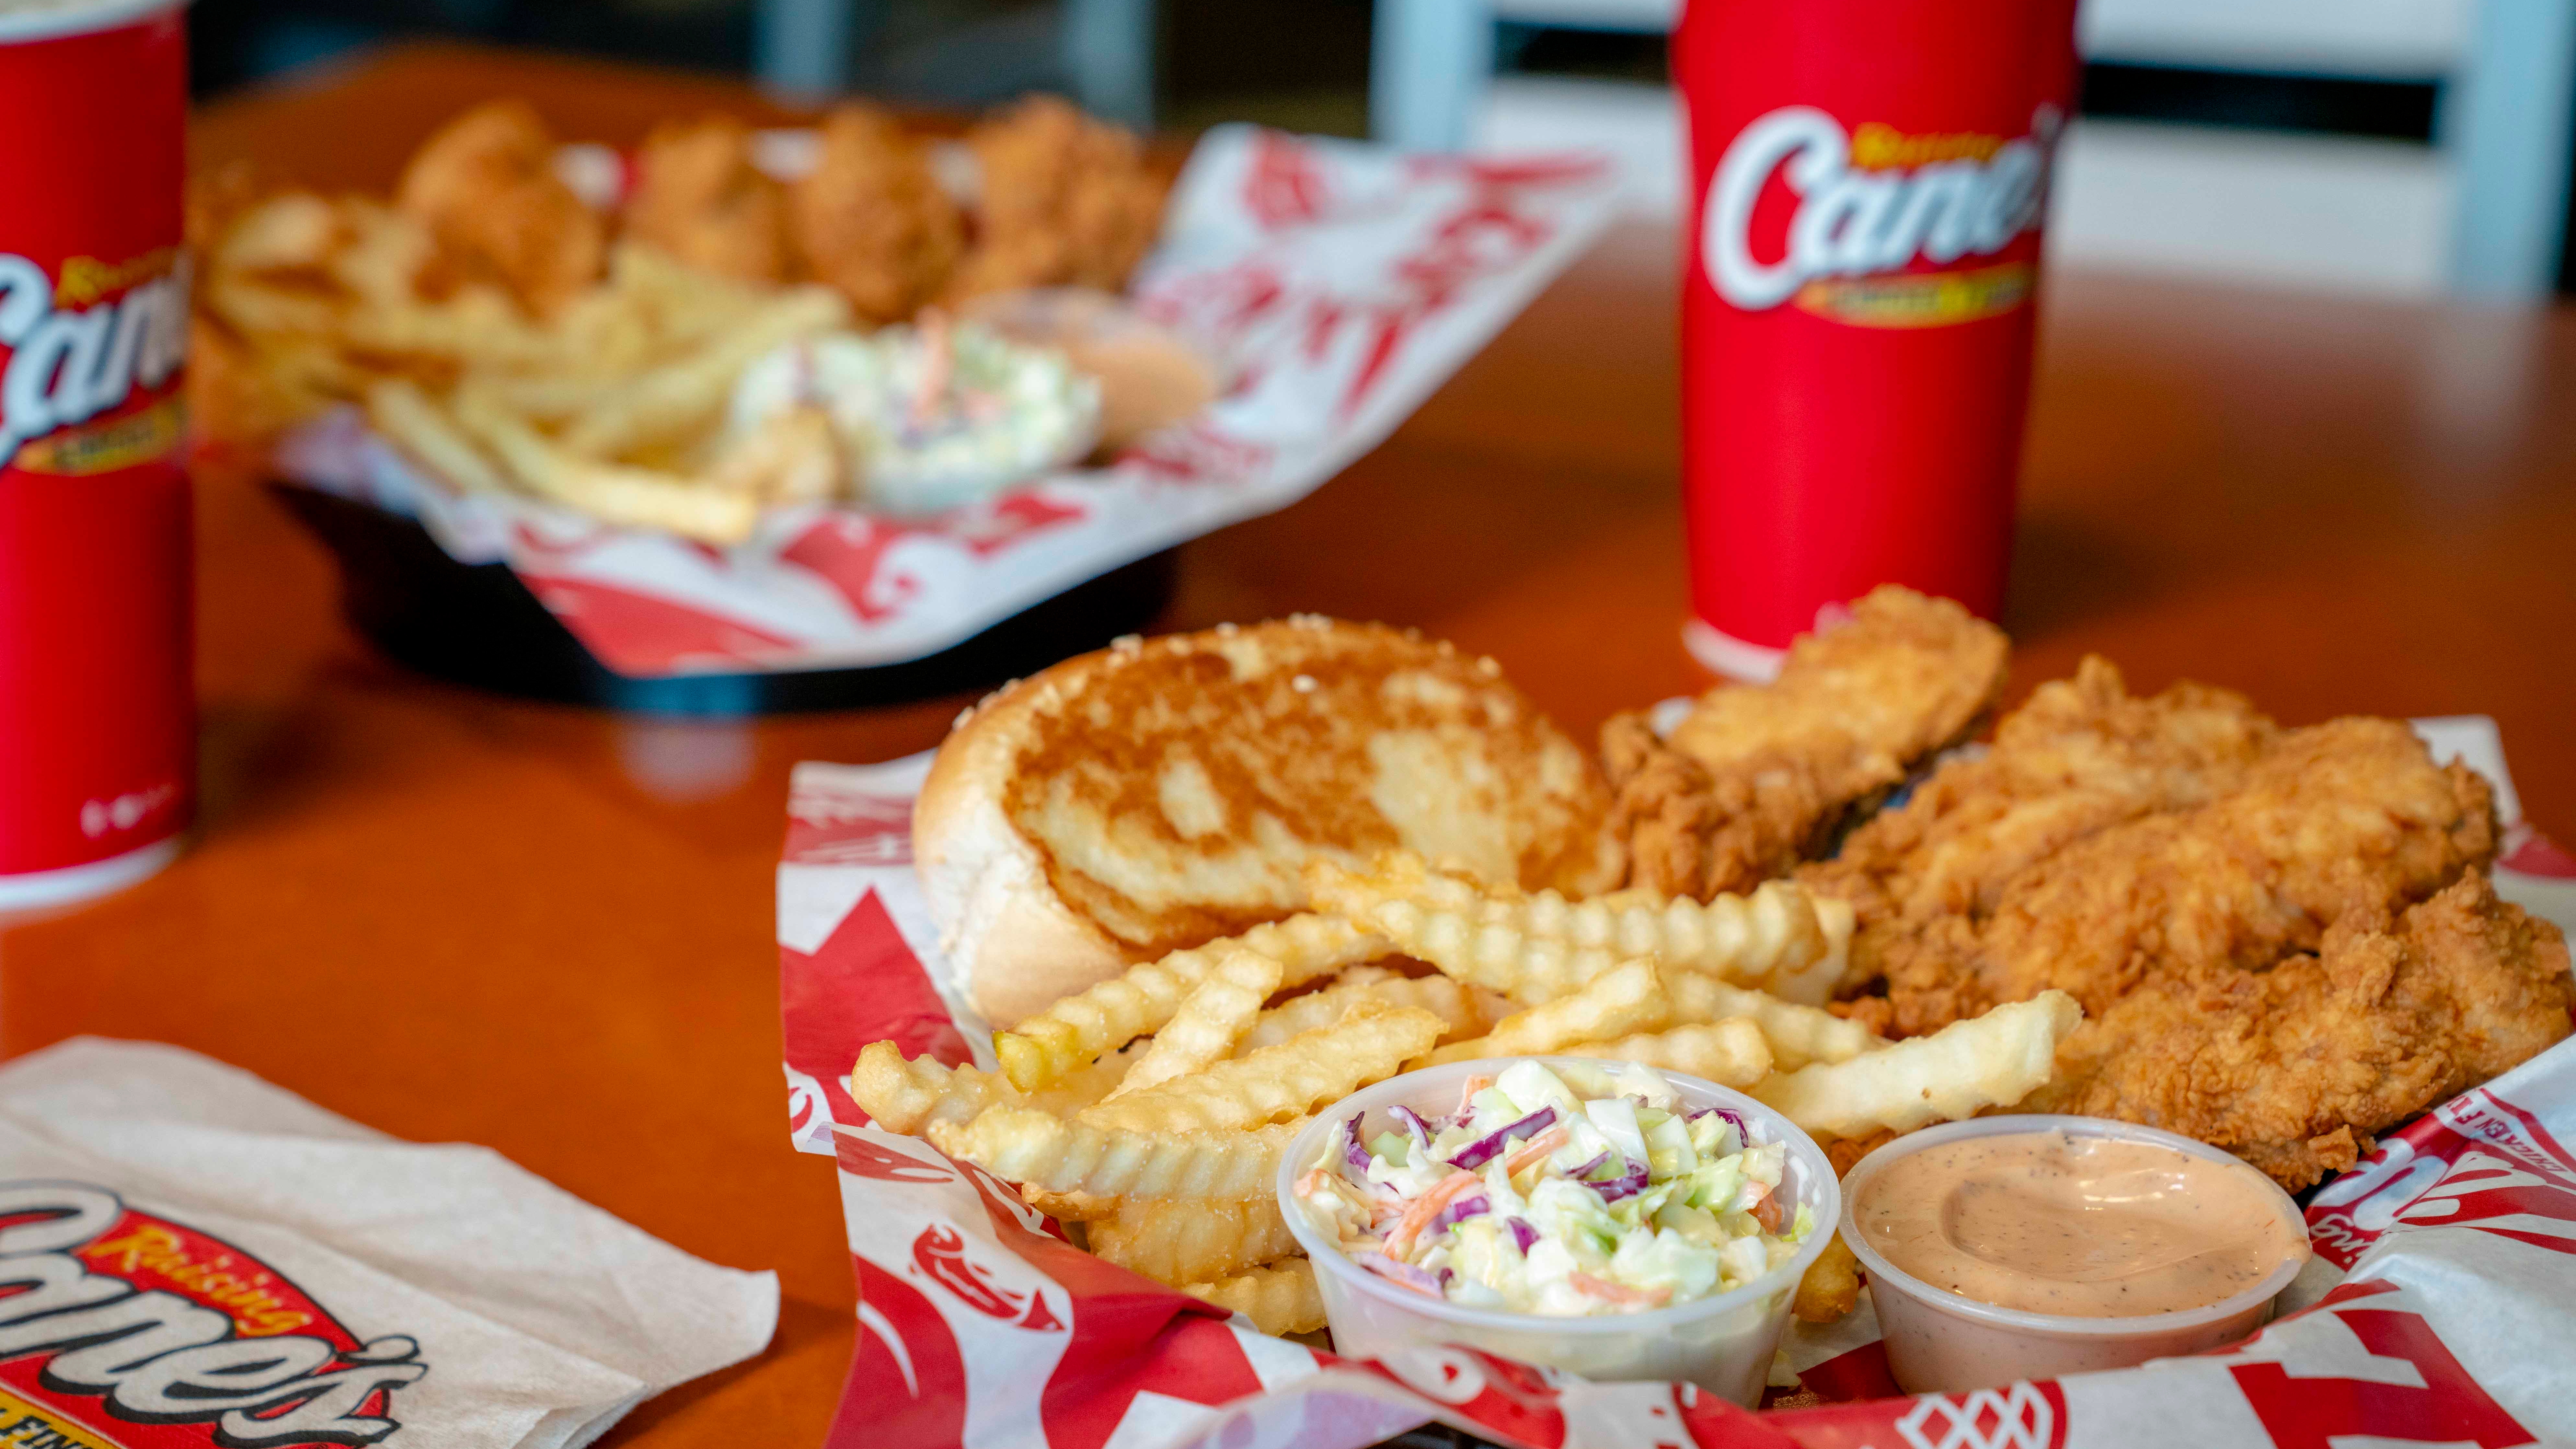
[1423, 1209]
[1609, 1292]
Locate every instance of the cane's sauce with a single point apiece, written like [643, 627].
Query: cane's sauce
[2089, 1227]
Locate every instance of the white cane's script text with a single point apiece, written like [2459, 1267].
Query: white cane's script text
[69, 364]
[1853, 221]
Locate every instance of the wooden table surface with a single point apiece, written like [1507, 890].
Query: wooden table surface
[458, 917]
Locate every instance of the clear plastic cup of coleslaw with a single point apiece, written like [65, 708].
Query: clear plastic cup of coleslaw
[1724, 1343]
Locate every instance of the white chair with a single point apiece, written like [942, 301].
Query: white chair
[2481, 213]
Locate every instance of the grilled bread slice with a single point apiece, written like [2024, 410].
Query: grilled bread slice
[1160, 794]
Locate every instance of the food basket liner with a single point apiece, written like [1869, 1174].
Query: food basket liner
[2440, 1308]
[1339, 284]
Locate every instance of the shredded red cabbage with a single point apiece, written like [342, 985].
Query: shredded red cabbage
[1400, 1272]
[1414, 1124]
[1589, 1168]
[1522, 1233]
[1486, 1148]
[1743, 1132]
[1352, 1152]
[1627, 1184]
[1463, 1207]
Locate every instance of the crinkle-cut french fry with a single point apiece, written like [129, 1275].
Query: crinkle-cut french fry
[1216, 1013]
[641, 497]
[903, 1094]
[1729, 1053]
[1299, 1015]
[680, 397]
[1281, 1298]
[1090, 1084]
[1799, 1035]
[1518, 945]
[254, 307]
[1454, 1003]
[1072, 1207]
[1625, 1000]
[792, 456]
[1027, 1146]
[1373, 1040]
[1831, 1287]
[906, 1095]
[1812, 983]
[289, 230]
[1994, 1060]
[1497, 957]
[400, 411]
[1082, 1026]
[1775, 932]
[1192, 1242]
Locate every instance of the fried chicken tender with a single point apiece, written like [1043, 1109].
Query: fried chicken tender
[1758, 777]
[871, 220]
[2296, 1067]
[2350, 815]
[2079, 756]
[486, 188]
[1065, 201]
[699, 197]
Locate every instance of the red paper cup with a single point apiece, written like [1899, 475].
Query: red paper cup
[97, 736]
[1868, 178]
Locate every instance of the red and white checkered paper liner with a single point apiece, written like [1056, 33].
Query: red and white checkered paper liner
[2441, 1307]
[1339, 283]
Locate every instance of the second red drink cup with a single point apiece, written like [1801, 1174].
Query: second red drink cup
[1868, 178]
[97, 732]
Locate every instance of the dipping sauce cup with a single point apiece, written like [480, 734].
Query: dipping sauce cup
[1724, 1343]
[1939, 1341]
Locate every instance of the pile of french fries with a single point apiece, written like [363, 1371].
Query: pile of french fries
[613, 405]
[1153, 1108]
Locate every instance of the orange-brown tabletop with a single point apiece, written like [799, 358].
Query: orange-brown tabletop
[458, 917]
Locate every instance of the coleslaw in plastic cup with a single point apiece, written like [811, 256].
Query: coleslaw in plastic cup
[1942, 1342]
[1724, 1342]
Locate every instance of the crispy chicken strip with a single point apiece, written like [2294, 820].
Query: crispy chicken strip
[2080, 755]
[2351, 815]
[699, 197]
[2294, 1068]
[1758, 777]
[486, 188]
[870, 220]
[1064, 200]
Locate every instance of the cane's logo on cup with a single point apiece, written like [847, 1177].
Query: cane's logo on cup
[1866, 206]
[122, 1330]
[75, 354]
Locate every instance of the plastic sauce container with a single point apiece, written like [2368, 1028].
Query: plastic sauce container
[1940, 1342]
[1724, 1343]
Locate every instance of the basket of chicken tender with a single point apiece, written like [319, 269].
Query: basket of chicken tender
[759, 418]
[1288, 1034]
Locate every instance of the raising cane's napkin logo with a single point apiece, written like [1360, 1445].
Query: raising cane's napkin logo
[79, 352]
[1865, 210]
[121, 1330]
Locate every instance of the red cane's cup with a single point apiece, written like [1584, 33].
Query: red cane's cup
[1867, 182]
[97, 736]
